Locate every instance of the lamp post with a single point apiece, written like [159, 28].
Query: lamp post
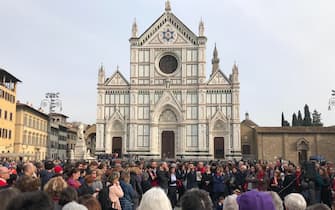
[52, 100]
[331, 103]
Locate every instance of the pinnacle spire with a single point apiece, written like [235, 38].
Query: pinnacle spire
[134, 29]
[167, 6]
[235, 67]
[215, 60]
[201, 28]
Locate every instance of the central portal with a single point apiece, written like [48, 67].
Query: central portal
[167, 150]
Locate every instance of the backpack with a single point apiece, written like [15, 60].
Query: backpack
[104, 200]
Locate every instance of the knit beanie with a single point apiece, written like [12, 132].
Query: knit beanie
[255, 200]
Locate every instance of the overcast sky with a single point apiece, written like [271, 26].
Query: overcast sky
[285, 49]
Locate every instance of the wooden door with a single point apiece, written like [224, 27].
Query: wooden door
[219, 147]
[117, 146]
[167, 145]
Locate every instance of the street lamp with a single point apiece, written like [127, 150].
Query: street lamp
[52, 100]
[331, 103]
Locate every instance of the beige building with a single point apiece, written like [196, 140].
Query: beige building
[31, 132]
[7, 112]
[291, 143]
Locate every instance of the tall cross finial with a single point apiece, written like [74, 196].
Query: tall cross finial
[167, 6]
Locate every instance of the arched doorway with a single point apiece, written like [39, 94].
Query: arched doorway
[168, 128]
[219, 129]
[167, 150]
[302, 148]
[117, 146]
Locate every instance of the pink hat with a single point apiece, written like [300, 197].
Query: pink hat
[58, 169]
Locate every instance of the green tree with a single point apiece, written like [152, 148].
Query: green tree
[316, 121]
[299, 120]
[307, 118]
[294, 120]
[284, 122]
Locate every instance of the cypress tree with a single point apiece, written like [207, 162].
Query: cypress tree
[294, 120]
[307, 119]
[299, 120]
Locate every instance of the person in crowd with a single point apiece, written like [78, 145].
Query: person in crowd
[229, 203]
[155, 199]
[90, 202]
[68, 195]
[28, 184]
[73, 205]
[6, 196]
[53, 188]
[277, 201]
[153, 174]
[276, 182]
[200, 170]
[4, 176]
[172, 190]
[261, 179]
[37, 200]
[47, 173]
[298, 179]
[251, 179]
[191, 177]
[219, 184]
[86, 187]
[58, 171]
[128, 192]
[325, 187]
[255, 200]
[196, 199]
[29, 170]
[295, 201]
[73, 179]
[145, 183]
[289, 183]
[318, 206]
[207, 180]
[163, 176]
[115, 190]
[135, 182]
[97, 183]
[181, 180]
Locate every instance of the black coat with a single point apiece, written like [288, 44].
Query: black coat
[191, 178]
[163, 179]
[206, 182]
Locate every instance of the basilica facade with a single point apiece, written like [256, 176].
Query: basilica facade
[169, 108]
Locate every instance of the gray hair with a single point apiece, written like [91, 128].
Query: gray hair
[154, 199]
[318, 206]
[295, 201]
[230, 203]
[276, 200]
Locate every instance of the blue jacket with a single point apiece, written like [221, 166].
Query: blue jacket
[128, 195]
[219, 184]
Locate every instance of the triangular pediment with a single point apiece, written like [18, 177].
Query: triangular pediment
[219, 115]
[116, 116]
[117, 79]
[167, 100]
[218, 78]
[219, 121]
[181, 34]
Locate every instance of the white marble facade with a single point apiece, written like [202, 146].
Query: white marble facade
[169, 109]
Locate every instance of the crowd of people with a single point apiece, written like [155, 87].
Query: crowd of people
[145, 185]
